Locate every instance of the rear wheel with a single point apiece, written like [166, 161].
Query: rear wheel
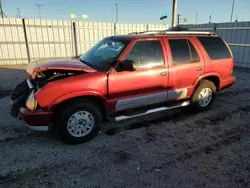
[79, 122]
[204, 95]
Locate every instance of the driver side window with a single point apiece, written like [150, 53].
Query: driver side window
[146, 54]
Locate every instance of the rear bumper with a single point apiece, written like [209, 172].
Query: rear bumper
[38, 120]
[227, 82]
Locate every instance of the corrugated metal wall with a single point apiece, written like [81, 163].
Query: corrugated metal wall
[237, 35]
[23, 40]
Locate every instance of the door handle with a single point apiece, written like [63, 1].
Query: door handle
[198, 68]
[165, 73]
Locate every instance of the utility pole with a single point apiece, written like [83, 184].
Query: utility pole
[232, 11]
[196, 20]
[19, 16]
[178, 19]
[2, 15]
[210, 19]
[39, 9]
[116, 21]
[174, 13]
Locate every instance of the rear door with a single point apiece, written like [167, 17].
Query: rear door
[186, 64]
[218, 55]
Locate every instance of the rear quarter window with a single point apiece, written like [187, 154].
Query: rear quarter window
[215, 47]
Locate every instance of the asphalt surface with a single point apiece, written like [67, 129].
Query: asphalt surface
[178, 148]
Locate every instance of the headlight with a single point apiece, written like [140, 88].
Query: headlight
[31, 102]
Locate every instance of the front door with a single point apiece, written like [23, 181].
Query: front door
[147, 84]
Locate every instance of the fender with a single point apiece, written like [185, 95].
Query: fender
[81, 93]
[204, 76]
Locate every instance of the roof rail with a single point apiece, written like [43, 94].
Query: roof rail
[185, 33]
[144, 32]
[167, 32]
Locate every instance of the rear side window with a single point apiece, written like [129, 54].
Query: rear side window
[215, 47]
[183, 51]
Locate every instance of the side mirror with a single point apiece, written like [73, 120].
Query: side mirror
[128, 65]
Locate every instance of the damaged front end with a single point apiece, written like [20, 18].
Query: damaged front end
[24, 104]
[23, 95]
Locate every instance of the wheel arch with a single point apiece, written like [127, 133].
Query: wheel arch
[98, 101]
[213, 77]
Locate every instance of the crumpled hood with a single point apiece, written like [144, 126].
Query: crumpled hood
[57, 64]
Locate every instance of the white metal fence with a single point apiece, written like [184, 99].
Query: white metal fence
[23, 40]
[236, 34]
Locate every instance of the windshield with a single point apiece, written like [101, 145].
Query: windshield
[102, 55]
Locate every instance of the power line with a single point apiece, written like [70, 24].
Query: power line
[73, 5]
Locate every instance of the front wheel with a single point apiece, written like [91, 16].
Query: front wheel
[79, 123]
[204, 95]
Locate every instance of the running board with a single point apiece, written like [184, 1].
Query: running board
[123, 117]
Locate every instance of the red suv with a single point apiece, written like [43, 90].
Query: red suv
[123, 77]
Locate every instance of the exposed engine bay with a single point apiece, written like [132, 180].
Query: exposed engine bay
[43, 77]
[29, 87]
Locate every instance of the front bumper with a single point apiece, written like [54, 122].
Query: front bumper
[37, 120]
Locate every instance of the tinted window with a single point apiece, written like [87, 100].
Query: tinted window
[183, 51]
[215, 47]
[146, 54]
[194, 55]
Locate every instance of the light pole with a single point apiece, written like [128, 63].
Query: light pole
[112, 15]
[232, 11]
[116, 6]
[196, 20]
[19, 16]
[39, 9]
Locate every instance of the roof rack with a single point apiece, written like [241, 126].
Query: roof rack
[144, 32]
[167, 32]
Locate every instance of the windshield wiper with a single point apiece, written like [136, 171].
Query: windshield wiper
[85, 62]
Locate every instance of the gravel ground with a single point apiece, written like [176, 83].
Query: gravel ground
[172, 149]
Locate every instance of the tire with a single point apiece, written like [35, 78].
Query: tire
[79, 122]
[200, 100]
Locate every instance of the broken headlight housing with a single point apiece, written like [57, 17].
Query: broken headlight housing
[31, 102]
